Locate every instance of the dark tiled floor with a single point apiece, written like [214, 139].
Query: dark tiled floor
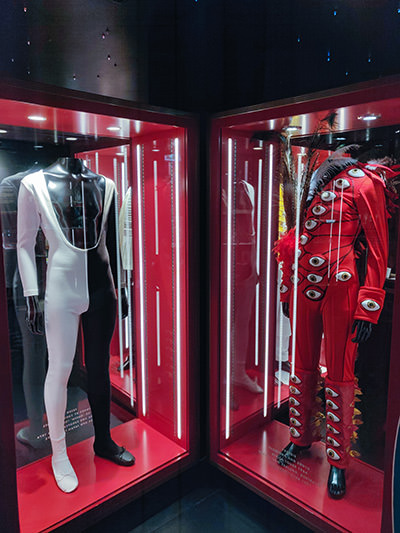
[202, 500]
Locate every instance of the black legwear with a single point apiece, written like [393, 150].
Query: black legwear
[98, 326]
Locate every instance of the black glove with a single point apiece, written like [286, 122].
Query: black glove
[34, 316]
[363, 330]
[124, 303]
[286, 309]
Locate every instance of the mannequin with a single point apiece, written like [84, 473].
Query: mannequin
[245, 283]
[33, 346]
[347, 200]
[76, 210]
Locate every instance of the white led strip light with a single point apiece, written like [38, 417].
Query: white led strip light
[268, 276]
[141, 282]
[158, 327]
[259, 193]
[296, 269]
[119, 303]
[156, 207]
[228, 295]
[178, 295]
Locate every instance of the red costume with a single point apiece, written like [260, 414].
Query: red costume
[330, 299]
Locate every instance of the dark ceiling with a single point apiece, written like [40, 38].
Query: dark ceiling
[202, 55]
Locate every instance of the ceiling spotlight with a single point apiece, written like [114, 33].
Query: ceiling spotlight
[37, 118]
[292, 129]
[120, 153]
[258, 146]
[340, 138]
[397, 131]
[71, 138]
[38, 147]
[155, 147]
[368, 117]
[113, 128]
[3, 131]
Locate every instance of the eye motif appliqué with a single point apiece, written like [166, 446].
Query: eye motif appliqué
[311, 224]
[332, 417]
[343, 276]
[370, 305]
[314, 278]
[332, 454]
[294, 433]
[318, 210]
[316, 261]
[342, 183]
[328, 196]
[313, 294]
[356, 173]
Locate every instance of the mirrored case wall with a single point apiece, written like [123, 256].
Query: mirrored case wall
[303, 285]
[105, 189]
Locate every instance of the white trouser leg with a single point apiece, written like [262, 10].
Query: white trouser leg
[61, 334]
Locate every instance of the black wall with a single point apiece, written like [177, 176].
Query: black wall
[200, 55]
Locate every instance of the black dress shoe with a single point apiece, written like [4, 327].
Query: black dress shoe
[289, 454]
[336, 483]
[122, 457]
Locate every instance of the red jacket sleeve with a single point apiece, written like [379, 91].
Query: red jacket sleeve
[371, 204]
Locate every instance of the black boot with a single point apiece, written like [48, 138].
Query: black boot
[336, 482]
[289, 453]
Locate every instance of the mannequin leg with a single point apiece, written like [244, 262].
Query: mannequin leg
[303, 385]
[339, 385]
[245, 290]
[98, 327]
[61, 335]
[35, 356]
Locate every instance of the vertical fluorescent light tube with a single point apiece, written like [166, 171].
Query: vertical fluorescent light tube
[281, 318]
[178, 294]
[125, 150]
[155, 177]
[268, 276]
[141, 280]
[258, 260]
[119, 304]
[129, 283]
[96, 155]
[158, 326]
[296, 266]
[123, 179]
[228, 295]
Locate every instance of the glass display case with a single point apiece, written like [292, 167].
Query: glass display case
[100, 255]
[304, 302]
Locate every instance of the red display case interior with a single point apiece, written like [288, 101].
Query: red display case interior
[252, 350]
[147, 160]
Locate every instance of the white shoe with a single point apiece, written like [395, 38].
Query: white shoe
[64, 474]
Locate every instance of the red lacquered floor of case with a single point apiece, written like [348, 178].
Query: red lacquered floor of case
[360, 511]
[42, 505]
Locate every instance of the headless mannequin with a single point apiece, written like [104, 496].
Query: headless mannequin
[336, 479]
[75, 207]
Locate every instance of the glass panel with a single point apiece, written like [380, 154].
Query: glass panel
[148, 266]
[159, 219]
[314, 378]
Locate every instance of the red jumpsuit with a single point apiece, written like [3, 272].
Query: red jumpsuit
[329, 299]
